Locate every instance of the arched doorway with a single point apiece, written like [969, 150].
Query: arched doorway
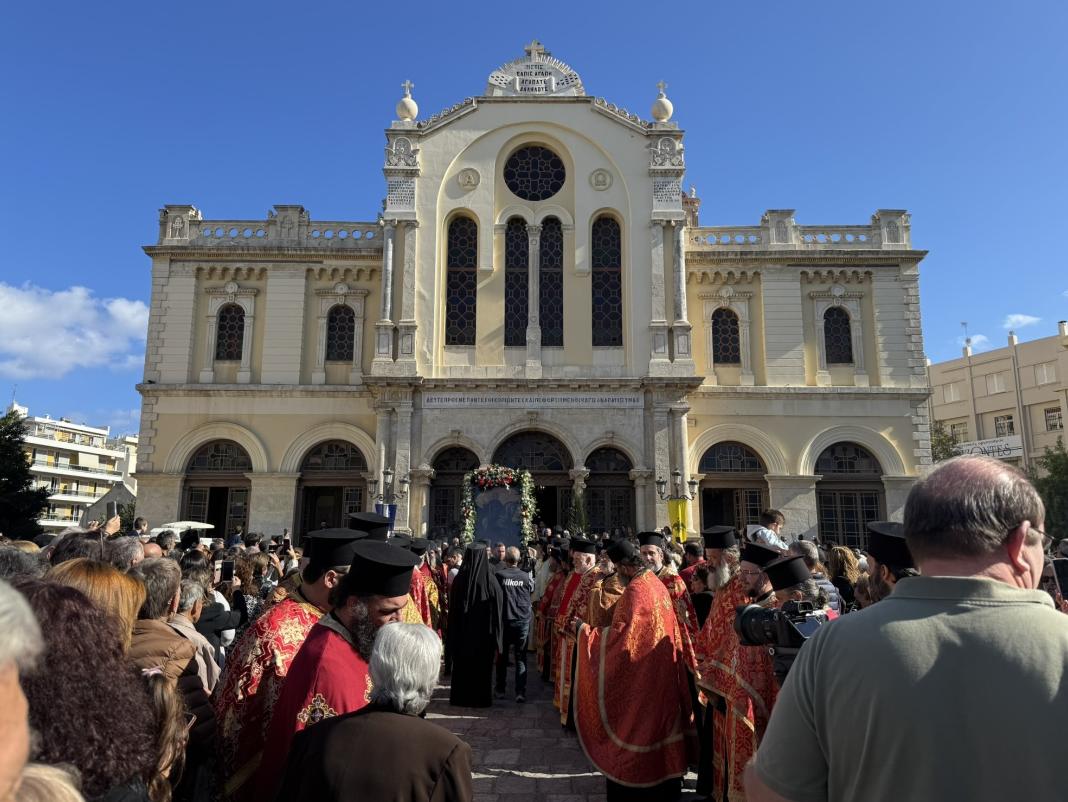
[849, 494]
[446, 490]
[733, 491]
[549, 463]
[609, 490]
[217, 488]
[332, 485]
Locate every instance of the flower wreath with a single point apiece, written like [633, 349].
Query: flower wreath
[490, 476]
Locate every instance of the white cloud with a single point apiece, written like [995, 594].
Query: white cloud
[45, 334]
[1018, 321]
[980, 342]
[120, 421]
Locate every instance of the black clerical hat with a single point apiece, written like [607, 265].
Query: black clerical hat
[330, 548]
[787, 572]
[651, 539]
[379, 569]
[621, 549]
[582, 546]
[401, 541]
[886, 543]
[418, 546]
[719, 537]
[376, 526]
[759, 555]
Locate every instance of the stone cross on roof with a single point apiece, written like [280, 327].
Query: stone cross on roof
[661, 86]
[407, 86]
[534, 49]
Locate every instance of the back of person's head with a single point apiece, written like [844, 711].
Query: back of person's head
[198, 567]
[843, 563]
[110, 589]
[40, 782]
[85, 699]
[251, 539]
[260, 562]
[15, 563]
[27, 546]
[511, 555]
[694, 550]
[810, 553]
[73, 545]
[966, 507]
[169, 711]
[769, 517]
[162, 578]
[167, 540]
[456, 551]
[701, 573]
[190, 592]
[189, 540]
[124, 552]
[140, 524]
[20, 635]
[404, 667]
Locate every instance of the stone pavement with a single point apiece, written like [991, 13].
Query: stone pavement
[520, 752]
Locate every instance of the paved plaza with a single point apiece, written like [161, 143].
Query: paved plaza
[520, 752]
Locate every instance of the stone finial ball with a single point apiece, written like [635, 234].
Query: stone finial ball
[662, 109]
[407, 109]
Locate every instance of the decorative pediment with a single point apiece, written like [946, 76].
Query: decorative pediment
[535, 74]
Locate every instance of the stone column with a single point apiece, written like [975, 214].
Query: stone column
[271, 502]
[159, 496]
[680, 452]
[897, 491]
[381, 444]
[640, 477]
[662, 455]
[795, 498]
[533, 302]
[578, 476]
[407, 327]
[659, 361]
[244, 373]
[419, 500]
[680, 329]
[402, 462]
[384, 327]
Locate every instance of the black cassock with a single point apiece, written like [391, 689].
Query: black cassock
[474, 631]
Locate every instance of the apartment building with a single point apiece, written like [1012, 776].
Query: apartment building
[78, 464]
[1009, 402]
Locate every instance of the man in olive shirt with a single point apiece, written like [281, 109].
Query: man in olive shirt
[953, 687]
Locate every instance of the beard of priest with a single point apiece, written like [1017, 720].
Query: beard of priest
[330, 675]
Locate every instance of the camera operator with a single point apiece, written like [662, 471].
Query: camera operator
[889, 558]
[959, 673]
[756, 583]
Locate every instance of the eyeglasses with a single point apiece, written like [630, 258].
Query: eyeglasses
[750, 573]
[1047, 541]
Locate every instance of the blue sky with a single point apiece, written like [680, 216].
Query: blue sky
[952, 110]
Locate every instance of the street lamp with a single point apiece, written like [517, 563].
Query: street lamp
[677, 494]
[389, 495]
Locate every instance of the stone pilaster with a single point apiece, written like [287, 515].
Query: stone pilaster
[402, 463]
[897, 491]
[642, 478]
[382, 422]
[272, 502]
[682, 339]
[533, 302]
[383, 360]
[679, 452]
[659, 361]
[662, 455]
[795, 498]
[159, 497]
[406, 329]
[419, 499]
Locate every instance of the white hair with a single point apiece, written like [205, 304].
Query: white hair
[191, 592]
[404, 667]
[20, 636]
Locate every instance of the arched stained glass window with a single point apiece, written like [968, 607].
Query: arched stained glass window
[606, 251]
[551, 283]
[340, 333]
[849, 494]
[533, 451]
[455, 460]
[334, 455]
[220, 456]
[730, 458]
[608, 460]
[229, 333]
[461, 283]
[838, 338]
[726, 340]
[847, 458]
[516, 282]
[534, 173]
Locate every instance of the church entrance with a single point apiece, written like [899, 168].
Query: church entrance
[550, 464]
[217, 488]
[446, 491]
[609, 492]
[733, 491]
[332, 486]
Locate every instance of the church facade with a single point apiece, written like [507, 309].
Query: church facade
[537, 292]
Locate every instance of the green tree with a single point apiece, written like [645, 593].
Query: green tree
[127, 513]
[1051, 480]
[942, 442]
[20, 504]
[577, 521]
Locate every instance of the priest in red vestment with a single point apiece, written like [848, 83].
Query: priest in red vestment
[654, 551]
[417, 589]
[573, 604]
[544, 618]
[329, 676]
[248, 690]
[642, 749]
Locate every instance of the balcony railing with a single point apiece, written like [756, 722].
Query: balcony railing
[40, 463]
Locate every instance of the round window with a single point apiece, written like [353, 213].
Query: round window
[534, 173]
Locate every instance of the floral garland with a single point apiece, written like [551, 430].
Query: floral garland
[488, 477]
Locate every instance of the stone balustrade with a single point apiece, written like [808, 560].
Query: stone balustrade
[889, 230]
[285, 226]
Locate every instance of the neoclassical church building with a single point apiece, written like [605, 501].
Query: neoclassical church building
[537, 292]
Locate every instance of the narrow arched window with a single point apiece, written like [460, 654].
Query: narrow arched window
[551, 283]
[837, 336]
[516, 281]
[726, 341]
[461, 283]
[229, 333]
[606, 264]
[340, 333]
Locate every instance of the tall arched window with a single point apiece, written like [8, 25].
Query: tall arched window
[551, 283]
[340, 333]
[446, 490]
[733, 490]
[726, 340]
[837, 336]
[849, 494]
[216, 488]
[516, 280]
[607, 282]
[229, 333]
[461, 284]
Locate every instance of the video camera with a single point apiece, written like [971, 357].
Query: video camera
[782, 630]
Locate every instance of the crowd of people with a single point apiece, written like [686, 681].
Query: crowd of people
[137, 668]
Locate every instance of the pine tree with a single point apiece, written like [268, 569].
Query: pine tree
[1052, 485]
[20, 504]
[576, 519]
[942, 442]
